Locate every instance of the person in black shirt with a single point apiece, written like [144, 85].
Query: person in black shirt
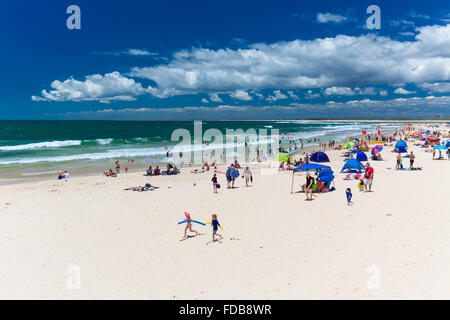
[214, 181]
[308, 186]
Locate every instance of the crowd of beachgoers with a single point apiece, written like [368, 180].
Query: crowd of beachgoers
[319, 177]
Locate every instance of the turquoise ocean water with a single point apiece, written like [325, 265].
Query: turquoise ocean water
[36, 149]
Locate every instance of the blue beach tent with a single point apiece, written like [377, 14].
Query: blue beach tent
[361, 156]
[319, 157]
[401, 143]
[352, 165]
[401, 150]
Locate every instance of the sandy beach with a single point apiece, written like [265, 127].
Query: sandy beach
[87, 238]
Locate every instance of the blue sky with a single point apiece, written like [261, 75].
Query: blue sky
[224, 59]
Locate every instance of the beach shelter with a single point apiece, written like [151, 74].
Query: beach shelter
[311, 166]
[401, 143]
[319, 157]
[353, 164]
[363, 147]
[434, 140]
[307, 167]
[282, 157]
[440, 147]
[325, 172]
[401, 150]
[348, 145]
[328, 178]
[360, 156]
[326, 175]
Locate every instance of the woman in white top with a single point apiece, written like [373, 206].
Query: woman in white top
[247, 175]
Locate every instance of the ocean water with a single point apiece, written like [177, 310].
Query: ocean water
[36, 149]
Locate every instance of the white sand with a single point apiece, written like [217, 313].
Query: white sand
[276, 245]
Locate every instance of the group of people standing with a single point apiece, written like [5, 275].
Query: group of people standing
[231, 174]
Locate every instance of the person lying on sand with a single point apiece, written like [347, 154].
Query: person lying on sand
[109, 173]
[147, 187]
[198, 171]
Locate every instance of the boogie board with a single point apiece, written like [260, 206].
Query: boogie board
[234, 174]
[192, 221]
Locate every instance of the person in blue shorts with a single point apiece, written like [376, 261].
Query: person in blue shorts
[215, 225]
[348, 193]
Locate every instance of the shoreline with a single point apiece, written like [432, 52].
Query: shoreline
[140, 167]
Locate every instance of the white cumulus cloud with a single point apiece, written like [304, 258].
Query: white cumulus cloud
[241, 95]
[109, 87]
[277, 95]
[436, 87]
[329, 17]
[214, 97]
[338, 91]
[403, 91]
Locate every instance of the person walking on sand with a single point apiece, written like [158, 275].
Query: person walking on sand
[411, 160]
[230, 179]
[117, 166]
[247, 175]
[189, 224]
[214, 181]
[349, 196]
[215, 225]
[368, 177]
